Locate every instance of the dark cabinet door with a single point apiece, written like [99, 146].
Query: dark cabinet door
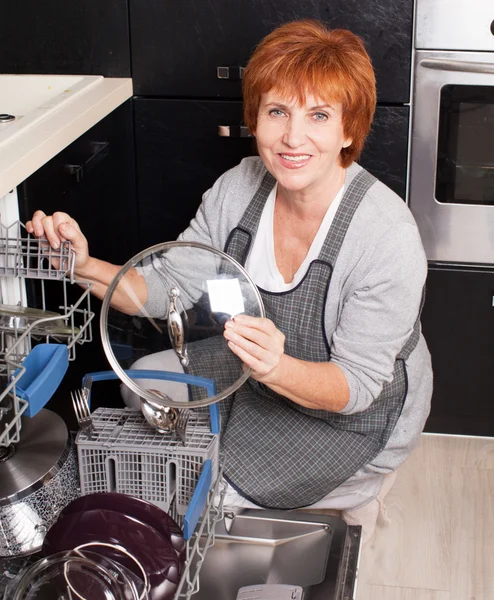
[93, 181]
[177, 46]
[179, 155]
[64, 38]
[458, 324]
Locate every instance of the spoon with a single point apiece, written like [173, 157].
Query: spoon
[162, 418]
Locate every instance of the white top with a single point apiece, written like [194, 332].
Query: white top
[261, 262]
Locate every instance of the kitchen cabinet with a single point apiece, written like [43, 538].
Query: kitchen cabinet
[179, 155]
[457, 322]
[93, 181]
[87, 38]
[177, 46]
[176, 50]
[386, 148]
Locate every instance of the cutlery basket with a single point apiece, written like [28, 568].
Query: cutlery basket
[124, 454]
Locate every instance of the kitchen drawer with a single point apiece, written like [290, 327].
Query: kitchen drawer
[177, 46]
[457, 322]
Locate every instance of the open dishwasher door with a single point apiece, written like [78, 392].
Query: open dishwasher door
[280, 549]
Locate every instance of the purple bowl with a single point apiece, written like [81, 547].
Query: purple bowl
[154, 552]
[139, 509]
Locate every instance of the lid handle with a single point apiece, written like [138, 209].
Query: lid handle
[176, 328]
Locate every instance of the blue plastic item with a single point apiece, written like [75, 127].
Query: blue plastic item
[208, 384]
[45, 366]
[198, 501]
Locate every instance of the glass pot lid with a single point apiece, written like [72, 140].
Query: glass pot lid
[76, 575]
[166, 344]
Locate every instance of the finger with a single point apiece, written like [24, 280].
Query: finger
[268, 336]
[49, 232]
[35, 225]
[245, 344]
[254, 335]
[250, 361]
[261, 360]
[256, 322]
[75, 236]
[60, 219]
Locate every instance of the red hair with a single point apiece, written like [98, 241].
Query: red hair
[306, 58]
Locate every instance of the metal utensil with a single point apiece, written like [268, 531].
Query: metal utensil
[163, 418]
[16, 319]
[39, 476]
[81, 409]
[181, 424]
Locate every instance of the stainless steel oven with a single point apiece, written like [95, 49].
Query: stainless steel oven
[451, 191]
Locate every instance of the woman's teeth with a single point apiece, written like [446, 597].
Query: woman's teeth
[295, 158]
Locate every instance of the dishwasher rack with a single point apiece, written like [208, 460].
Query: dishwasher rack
[202, 538]
[31, 271]
[198, 544]
[123, 453]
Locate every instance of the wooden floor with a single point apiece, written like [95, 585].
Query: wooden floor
[439, 544]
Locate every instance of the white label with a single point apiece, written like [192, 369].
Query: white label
[225, 296]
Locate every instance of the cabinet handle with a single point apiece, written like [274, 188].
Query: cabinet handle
[232, 73]
[100, 151]
[234, 131]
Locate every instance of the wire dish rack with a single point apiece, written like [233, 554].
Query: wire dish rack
[31, 271]
[123, 453]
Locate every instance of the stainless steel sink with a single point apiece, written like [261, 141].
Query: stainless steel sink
[316, 552]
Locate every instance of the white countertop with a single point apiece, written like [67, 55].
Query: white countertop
[27, 152]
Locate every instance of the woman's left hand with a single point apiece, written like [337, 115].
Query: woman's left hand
[258, 344]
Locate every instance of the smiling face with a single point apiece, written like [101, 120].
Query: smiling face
[300, 144]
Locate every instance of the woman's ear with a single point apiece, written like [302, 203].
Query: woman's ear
[347, 143]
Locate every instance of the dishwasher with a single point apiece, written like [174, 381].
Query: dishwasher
[232, 553]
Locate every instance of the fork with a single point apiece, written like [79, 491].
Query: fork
[181, 424]
[81, 410]
[87, 383]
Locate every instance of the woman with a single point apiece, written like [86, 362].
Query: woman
[341, 376]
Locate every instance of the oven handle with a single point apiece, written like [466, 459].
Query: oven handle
[445, 64]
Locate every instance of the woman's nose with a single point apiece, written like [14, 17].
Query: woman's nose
[295, 133]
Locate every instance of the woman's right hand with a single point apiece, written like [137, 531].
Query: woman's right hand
[57, 228]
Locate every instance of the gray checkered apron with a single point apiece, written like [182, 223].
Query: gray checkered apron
[279, 454]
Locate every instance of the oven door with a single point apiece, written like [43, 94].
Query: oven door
[452, 155]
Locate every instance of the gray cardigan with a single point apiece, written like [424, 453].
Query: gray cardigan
[373, 299]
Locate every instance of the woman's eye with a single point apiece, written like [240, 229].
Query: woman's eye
[276, 112]
[319, 116]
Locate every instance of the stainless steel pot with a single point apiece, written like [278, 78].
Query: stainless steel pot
[16, 319]
[38, 478]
